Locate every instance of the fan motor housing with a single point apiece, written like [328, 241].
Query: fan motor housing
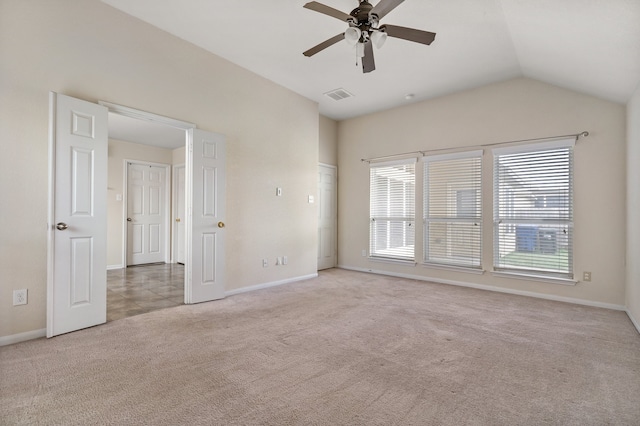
[363, 20]
[361, 13]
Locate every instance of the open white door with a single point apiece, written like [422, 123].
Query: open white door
[327, 216]
[77, 228]
[206, 183]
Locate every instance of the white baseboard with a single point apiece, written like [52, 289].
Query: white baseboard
[635, 322]
[22, 337]
[270, 284]
[492, 288]
[111, 267]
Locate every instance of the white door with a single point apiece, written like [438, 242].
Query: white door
[146, 213]
[206, 172]
[179, 214]
[327, 217]
[77, 258]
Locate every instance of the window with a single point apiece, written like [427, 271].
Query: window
[392, 210]
[452, 209]
[533, 209]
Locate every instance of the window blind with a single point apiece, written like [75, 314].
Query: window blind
[453, 209]
[392, 210]
[533, 209]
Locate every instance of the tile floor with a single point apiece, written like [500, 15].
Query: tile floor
[139, 289]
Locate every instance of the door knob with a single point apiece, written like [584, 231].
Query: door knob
[61, 226]
[178, 220]
[220, 224]
[129, 219]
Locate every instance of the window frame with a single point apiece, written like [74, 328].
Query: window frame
[474, 263]
[407, 218]
[536, 224]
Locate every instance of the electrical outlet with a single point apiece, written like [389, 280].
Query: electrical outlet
[586, 276]
[285, 260]
[364, 253]
[265, 263]
[20, 297]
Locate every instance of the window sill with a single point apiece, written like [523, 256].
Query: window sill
[396, 261]
[477, 271]
[533, 277]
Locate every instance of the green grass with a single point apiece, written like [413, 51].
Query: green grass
[552, 262]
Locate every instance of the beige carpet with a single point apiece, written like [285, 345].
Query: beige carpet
[346, 348]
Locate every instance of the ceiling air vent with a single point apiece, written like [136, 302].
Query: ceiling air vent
[338, 94]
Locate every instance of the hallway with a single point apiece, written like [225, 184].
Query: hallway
[139, 289]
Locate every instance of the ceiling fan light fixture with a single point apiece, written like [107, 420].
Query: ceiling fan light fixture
[364, 30]
[378, 38]
[352, 35]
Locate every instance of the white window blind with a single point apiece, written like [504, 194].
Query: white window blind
[453, 209]
[533, 209]
[392, 210]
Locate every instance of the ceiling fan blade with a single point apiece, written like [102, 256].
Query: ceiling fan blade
[335, 13]
[368, 63]
[330, 42]
[411, 34]
[383, 7]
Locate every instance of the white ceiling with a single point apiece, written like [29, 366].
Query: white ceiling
[145, 132]
[591, 46]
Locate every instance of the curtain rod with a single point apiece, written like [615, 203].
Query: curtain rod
[424, 153]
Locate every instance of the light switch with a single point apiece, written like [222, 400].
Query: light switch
[279, 192]
[310, 199]
[118, 197]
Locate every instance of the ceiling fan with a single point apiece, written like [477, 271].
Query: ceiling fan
[364, 30]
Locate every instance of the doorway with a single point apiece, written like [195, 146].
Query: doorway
[77, 219]
[142, 277]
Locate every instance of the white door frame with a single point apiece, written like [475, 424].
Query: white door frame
[167, 208]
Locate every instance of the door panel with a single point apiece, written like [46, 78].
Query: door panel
[327, 217]
[146, 209]
[206, 215]
[76, 284]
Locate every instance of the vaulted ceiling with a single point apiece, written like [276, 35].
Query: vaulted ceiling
[590, 46]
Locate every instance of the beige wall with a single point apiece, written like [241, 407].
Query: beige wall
[91, 51]
[328, 148]
[633, 208]
[179, 156]
[512, 110]
[118, 152]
